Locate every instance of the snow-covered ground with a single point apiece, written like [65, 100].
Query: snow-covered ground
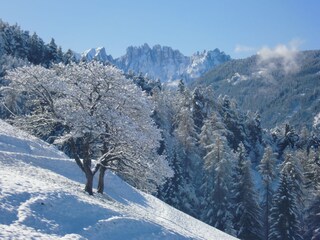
[41, 197]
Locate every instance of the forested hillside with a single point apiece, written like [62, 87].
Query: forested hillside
[280, 89]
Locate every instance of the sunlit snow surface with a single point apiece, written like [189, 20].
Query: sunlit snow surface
[41, 197]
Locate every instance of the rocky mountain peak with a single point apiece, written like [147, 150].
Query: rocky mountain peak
[161, 62]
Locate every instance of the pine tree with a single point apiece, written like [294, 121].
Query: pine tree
[51, 53]
[311, 169]
[36, 50]
[285, 214]
[218, 166]
[267, 169]
[233, 121]
[247, 212]
[174, 115]
[293, 166]
[198, 105]
[311, 174]
[313, 219]
[68, 57]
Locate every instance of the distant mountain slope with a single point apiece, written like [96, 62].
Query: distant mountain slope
[41, 197]
[162, 63]
[280, 89]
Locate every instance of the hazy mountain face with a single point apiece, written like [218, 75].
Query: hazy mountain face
[282, 88]
[162, 63]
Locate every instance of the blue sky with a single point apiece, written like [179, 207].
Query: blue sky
[238, 27]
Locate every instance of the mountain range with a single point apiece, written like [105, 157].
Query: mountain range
[282, 89]
[160, 62]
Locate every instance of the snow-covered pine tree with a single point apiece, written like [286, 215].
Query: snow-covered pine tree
[247, 212]
[233, 120]
[311, 170]
[293, 166]
[69, 57]
[285, 214]
[186, 138]
[218, 166]
[19, 44]
[36, 50]
[53, 54]
[175, 190]
[311, 174]
[267, 169]
[198, 105]
[313, 218]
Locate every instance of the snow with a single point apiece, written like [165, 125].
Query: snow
[237, 78]
[41, 197]
[98, 53]
[316, 121]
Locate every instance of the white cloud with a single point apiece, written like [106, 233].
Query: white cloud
[282, 55]
[242, 48]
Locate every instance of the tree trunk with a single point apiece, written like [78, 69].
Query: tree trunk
[267, 227]
[89, 183]
[87, 169]
[101, 180]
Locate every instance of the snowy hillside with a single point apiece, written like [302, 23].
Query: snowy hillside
[41, 197]
[161, 62]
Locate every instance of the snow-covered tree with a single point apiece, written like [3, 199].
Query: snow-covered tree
[36, 49]
[52, 53]
[286, 211]
[247, 213]
[233, 121]
[311, 170]
[311, 176]
[104, 115]
[284, 137]
[313, 218]
[19, 44]
[267, 169]
[69, 57]
[218, 166]
[185, 128]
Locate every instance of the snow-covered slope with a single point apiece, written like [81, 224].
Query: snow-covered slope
[161, 62]
[41, 197]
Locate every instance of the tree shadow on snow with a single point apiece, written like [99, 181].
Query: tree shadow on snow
[9, 207]
[121, 191]
[61, 213]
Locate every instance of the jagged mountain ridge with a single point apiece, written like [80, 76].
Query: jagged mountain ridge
[161, 62]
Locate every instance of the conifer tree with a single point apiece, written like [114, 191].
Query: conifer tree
[218, 165]
[311, 174]
[36, 50]
[311, 170]
[285, 213]
[267, 169]
[247, 212]
[313, 218]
